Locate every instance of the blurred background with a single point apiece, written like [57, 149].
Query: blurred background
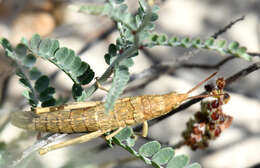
[238, 146]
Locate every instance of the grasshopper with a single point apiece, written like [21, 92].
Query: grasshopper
[79, 117]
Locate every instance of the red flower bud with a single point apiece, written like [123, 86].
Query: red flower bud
[214, 116]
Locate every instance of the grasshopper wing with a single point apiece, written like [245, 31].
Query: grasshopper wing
[23, 119]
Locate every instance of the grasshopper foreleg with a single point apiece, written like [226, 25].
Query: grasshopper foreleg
[145, 129]
[144, 132]
[81, 139]
[114, 133]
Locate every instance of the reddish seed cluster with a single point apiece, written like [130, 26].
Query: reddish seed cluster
[208, 123]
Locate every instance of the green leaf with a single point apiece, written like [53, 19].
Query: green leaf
[120, 81]
[46, 94]
[54, 46]
[209, 42]
[92, 9]
[241, 50]
[48, 48]
[155, 37]
[194, 165]
[221, 43]
[66, 60]
[2, 146]
[123, 8]
[29, 60]
[145, 34]
[25, 83]
[128, 62]
[154, 17]
[82, 69]
[196, 43]
[61, 55]
[30, 97]
[27, 94]
[143, 5]
[87, 77]
[35, 42]
[7, 47]
[24, 41]
[107, 58]
[173, 41]
[179, 161]
[138, 20]
[246, 56]
[69, 59]
[155, 8]
[233, 46]
[20, 73]
[34, 73]
[75, 66]
[116, 141]
[44, 48]
[163, 156]
[50, 102]
[118, 1]
[149, 149]
[41, 84]
[186, 42]
[162, 38]
[130, 141]
[21, 50]
[77, 91]
[112, 50]
[124, 134]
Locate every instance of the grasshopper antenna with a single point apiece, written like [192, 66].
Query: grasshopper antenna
[202, 82]
[203, 96]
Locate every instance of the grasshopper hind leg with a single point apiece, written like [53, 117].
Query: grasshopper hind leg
[77, 140]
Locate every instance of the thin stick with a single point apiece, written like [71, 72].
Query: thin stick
[199, 96]
[202, 96]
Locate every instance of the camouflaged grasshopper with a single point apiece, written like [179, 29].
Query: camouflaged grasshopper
[79, 117]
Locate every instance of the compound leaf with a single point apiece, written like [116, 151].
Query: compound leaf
[180, 161]
[149, 149]
[163, 156]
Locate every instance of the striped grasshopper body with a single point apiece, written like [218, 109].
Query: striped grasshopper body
[90, 116]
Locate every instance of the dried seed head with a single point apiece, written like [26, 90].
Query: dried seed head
[196, 130]
[210, 121]
[226, 98]
[221, 83]
[209, 87]
[212, 126]
[215, 104]
[228, 121]
[191, 141]
[214, 116]
[217, 131]
[222, 118]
